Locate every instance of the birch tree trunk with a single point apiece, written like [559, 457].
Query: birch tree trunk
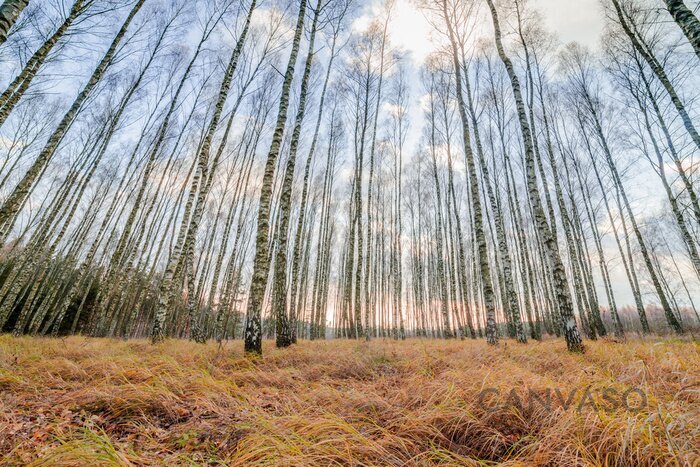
[561, 284]
[653, 274]
[687, 21]
[307, 173]
[511, 299]
[205, 176]
[261, 266]
[689, 241]
[9, 12]
[444, 297]
[16, 89]
[484, 267]
[13, 203]
[368, 305]
[638, 43]
[286, 323]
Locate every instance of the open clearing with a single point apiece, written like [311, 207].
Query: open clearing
[80, 401]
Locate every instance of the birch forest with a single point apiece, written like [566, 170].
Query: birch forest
[289, 174]
[224, 170]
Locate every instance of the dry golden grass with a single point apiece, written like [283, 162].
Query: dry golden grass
[81, 401]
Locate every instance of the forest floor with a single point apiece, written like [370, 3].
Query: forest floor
[80, 401]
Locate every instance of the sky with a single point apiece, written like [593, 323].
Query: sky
[571, 20]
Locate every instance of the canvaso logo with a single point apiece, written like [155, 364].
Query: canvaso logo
[606, 399]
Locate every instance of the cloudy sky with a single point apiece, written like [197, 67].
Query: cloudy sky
[571, 20]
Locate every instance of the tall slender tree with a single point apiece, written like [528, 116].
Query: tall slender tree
[261, 265]
[561, 283]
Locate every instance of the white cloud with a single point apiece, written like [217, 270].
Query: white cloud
[409, 31]
[573, 20]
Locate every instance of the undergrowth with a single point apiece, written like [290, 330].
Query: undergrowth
[80, 401]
